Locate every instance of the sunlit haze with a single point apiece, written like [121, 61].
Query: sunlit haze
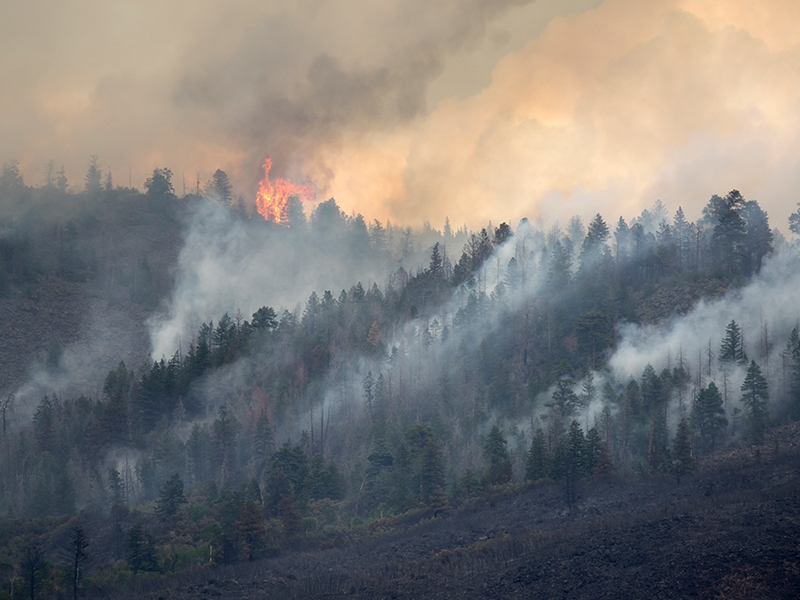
[413, 111]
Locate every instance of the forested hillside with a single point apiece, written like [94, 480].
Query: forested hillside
[430, 369]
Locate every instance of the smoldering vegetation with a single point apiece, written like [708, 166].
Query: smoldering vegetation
[311, 378]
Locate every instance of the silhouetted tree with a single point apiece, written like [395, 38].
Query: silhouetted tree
[220, 187]
[78, 556]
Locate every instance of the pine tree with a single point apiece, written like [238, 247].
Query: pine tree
[708, 415]
[754, 398]
[495, 453]
[264, 442]
[251, 530]
[220, 187]
[537, 467]
[171, 498]
[594, 447]
[431, 469]
[116, 489]
[732, 348]
[594, 243]
[574, 460]
[94, 176]
[291, 521]
[141, 550]
[791, 356]
[683, 463]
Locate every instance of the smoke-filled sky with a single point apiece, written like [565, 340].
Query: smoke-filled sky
[413, 110]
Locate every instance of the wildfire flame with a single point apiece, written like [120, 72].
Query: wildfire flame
[272, 200]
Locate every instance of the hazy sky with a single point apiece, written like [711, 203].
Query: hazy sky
[414, 110]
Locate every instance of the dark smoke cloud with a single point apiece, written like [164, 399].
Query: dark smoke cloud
[281, 91]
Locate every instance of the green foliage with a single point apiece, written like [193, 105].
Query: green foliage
[732, 348]
[537, 466]
[683, 462]
[755, 395]
[171, 497]
[498, 470]
[708, 415]
[140, 550]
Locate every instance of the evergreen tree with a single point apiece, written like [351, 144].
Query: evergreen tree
[594, 448]
[758, 236]
[291, 520]
[116, 489]
[728, 242]
[708, 415]
[537, 467]
[94, 177]
[223, 444]
[171, 498]
[682, 235]
[431, 473]
[496, 455]
[755, 394]
[141, 550]
[560, 271]
[575, 462]
[220, 187]
[292, 461]
[594, 243]
[159, 185]
[251, 530]
[401, 476]
[791, 356]
[683, 463]
[565, 401]
[264, 441]
[732, 349]
[794, 221]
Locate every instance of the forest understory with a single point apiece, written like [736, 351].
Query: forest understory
[730, 531]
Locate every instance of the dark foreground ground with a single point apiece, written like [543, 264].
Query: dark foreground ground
[731, 531]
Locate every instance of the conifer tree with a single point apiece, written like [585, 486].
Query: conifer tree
[496, 454]
[755, 394]
[171, 497]
[431, 469]
[791, 356]
[251, 530]
[708, 415]
[683, 463]
[536, 467]
[732, 349]
[141, 550]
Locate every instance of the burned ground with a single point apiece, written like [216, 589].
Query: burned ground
[730, 531]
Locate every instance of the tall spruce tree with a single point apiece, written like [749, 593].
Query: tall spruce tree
[536, 467]
[708, 415]
[496, 455]
[732, 349]
[755, 395]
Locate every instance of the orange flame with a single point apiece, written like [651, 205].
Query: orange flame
[272, 200]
